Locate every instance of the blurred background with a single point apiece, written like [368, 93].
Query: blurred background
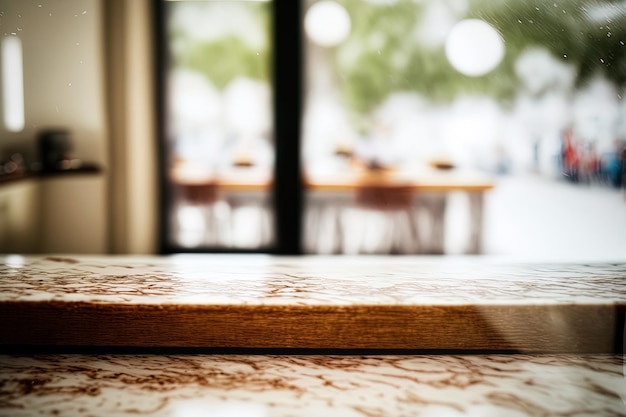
[428, 126]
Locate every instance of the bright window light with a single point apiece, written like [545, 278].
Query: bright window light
[474, 47]
[327, 23]
[12, 84]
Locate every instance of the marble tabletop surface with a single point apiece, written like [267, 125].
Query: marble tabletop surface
[318, 281]
[176, 383]
[423, 303]
[351, 386]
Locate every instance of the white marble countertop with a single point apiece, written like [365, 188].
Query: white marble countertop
[312, 303]
[351, 386]
[313, 281]
[372, 303]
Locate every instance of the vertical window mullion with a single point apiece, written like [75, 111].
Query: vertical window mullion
[287, 68]
[160, 63]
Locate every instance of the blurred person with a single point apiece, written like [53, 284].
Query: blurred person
[588, 165]
[570, 156]
[622, 167]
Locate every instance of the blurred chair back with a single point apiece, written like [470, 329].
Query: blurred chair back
[384, 197]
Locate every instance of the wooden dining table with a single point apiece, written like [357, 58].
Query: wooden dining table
[430, 186]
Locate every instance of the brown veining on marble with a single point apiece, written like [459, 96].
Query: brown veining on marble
[62, 259]
[493, 385]
[293, 281]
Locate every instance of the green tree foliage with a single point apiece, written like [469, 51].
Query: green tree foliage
[573, 30]
[381, 33]
[223, 59]
[383, 55]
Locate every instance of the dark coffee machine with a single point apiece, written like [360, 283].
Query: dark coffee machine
[55, 148]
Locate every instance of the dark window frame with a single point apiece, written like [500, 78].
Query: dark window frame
[287, 192]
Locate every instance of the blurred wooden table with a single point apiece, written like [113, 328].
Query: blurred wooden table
[431, 186]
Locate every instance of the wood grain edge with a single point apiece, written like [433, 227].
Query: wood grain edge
[528, 328]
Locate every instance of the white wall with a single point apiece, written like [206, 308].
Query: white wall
[19, 217]
[63, 77]
[64, 88]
